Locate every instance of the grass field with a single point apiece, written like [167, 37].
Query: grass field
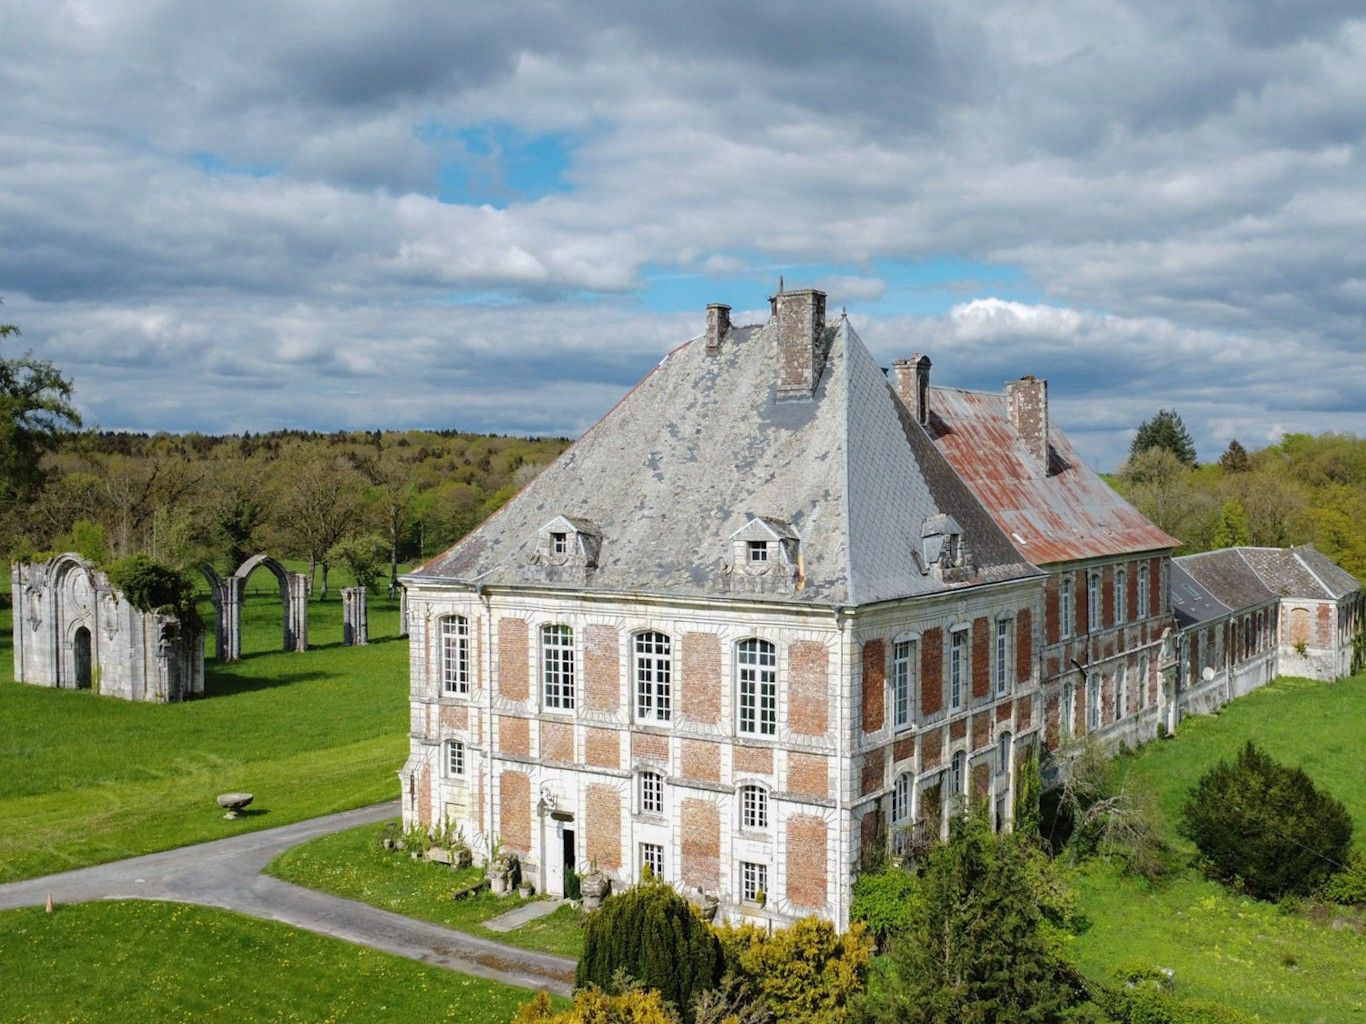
[353, 865]
[86, 779]
[1285, 964]
[125, 961]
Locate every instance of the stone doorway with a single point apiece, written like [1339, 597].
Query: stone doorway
[80, 658]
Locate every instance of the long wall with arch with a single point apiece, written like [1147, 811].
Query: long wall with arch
[74, 629]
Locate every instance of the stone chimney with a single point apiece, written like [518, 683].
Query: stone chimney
[1027, 400]
[911, 378]
[801, 341]
[718, 326]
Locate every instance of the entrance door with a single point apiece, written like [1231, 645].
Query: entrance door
[80, 650]
[566, 883]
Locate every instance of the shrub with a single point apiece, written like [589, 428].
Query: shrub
[655, 937]
[1146, 1003]
[883, 901]
[807, 973]
[594, 1006]
[1265, 825]
[1028, 791]
[1348, 886]
[150, 586]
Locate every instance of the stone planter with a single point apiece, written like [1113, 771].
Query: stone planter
[504, 874]
[593, 888]
[439, 854]
[526, 890]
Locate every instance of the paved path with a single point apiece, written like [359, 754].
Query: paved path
[227, 873]
[524, 914]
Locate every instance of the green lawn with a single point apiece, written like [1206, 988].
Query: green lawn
[352, 864]
[86, 779]
[150, 962]
[1285, 965]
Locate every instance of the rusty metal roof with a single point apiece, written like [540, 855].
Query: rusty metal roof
[1065, 514]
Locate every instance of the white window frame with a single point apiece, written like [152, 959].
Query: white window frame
[753, 808]
[756, 691]
[1067, 708]
[652, 856]
[960, 645]
[1093, 691]
[558, 673]
[1143, 583]
[1093, 623]
[651, 789]
[1003, 659]
[903, 681]
[958, 774]
[652, 657]
[1122, 691]
[902, 789]
[559, 543]
[756, 552]
[1066, 618]
[456, 764]
[753, 880]
[1143, 681]
[455, 656]
[1121, 596]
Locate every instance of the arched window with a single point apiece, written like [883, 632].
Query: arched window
[557, 667]
[1121, 596]
[1093, 701]
[651, 793]
[1093, 602]
[654, 677]
[455, 656]
[1066, 624]
[1299, 625]
[901, 799]
[757, 692]
[753, 808]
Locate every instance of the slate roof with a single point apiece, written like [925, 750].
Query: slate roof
[1066, 514]
[1241, 577]
[702, 443]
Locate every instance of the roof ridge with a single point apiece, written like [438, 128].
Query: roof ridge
[1330, 591]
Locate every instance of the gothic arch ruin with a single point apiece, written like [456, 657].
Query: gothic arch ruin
[228, 593]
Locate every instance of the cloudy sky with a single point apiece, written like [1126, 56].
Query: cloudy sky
[498, 217]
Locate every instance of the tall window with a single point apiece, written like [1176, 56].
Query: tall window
[901, 799]
[559, 543]
[1122, 697]
[652, 857]
[903, 671]
[1068, 711]
[654, 676]
[455, 655]
[958, 669]
[557, 667]
[1093, 701]
[1002, 656]
[1143, 681]
[753, 808]
[757, 662]
[651, 793]
[1093, 602]
[455, 758]
[1003, 747]
[1143, 592]
[1066, 623]
[958, 775]
[753, 882]
[1121, 596]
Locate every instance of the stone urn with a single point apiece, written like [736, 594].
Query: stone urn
[504, 873]
[233, 803]
[593, 888]
[706, 904]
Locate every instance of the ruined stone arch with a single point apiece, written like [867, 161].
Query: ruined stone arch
[227, 596]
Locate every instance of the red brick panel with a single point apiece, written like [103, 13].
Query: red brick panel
[602, 749]
[1324, 623]
[700, 824]
[514, 735]
[701, 761]
[1107, 596]
[455, 718]
[808, 775]
[981, 780]
[602, 668]
[649, 746]
[873, 773]
[424, 796]
[874, 684]
[512, 659]
[514, 811]
[1081, 602]
[932, 750]
[557, 742]
[1052, 727]
[806, 861]
[602, 821]
[808, 695]
[931, 671]
[1024, 709]
[753, 760]
[701, 697]
[1003, 712]
[904, 750]
[981, 657]
[981, 730]
[1024, 646]
[958, 729]
[870, 833]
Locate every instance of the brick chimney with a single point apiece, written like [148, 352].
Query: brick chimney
[1027, 400]
[718, 326]
[801, 341]
[911, 378]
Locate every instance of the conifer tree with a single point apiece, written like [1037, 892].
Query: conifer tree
[1235, 459]
[1164, 430]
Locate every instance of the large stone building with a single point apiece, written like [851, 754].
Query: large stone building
[74, 629]
[777, 607]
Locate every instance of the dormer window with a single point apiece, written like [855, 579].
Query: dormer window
[765, 554]
[757, 550]
[569, 541]
[942, 550]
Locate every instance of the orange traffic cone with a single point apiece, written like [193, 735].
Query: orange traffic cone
[49, 906]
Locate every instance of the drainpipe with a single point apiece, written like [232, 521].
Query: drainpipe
[842, 617]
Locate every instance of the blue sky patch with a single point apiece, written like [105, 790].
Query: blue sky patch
[212, 163]
[497, 164]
